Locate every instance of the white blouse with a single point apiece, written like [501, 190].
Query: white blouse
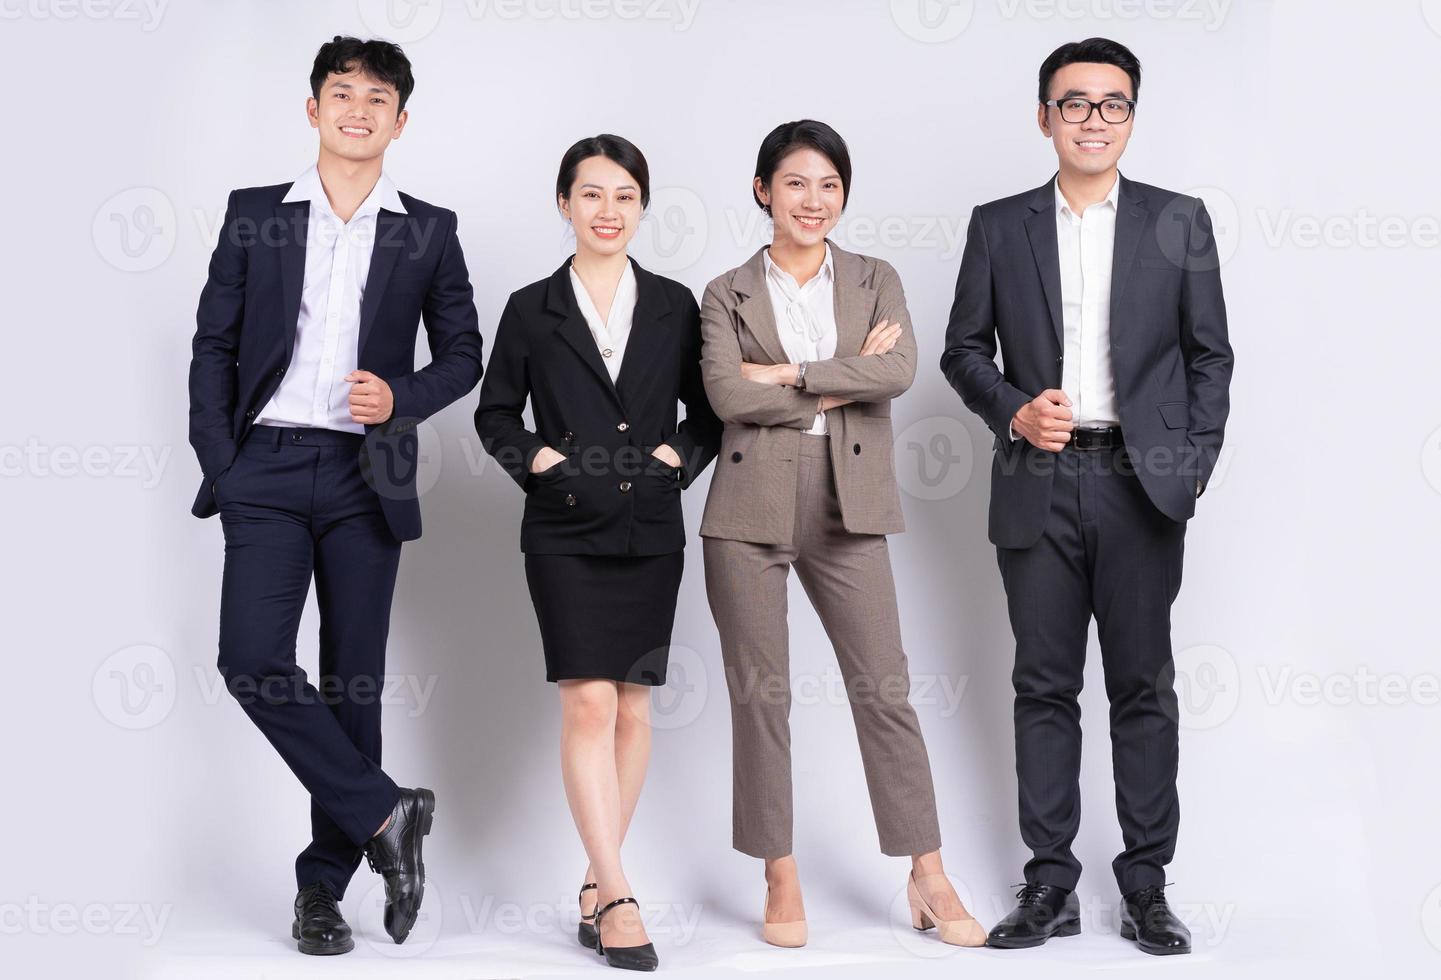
[612, 333]
[805, 316]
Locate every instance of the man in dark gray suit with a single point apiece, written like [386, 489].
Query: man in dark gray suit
[1104, 298]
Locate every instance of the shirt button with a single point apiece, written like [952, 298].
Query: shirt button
[625, 486]
[622, 427]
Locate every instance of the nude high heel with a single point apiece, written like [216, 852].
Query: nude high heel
[787, 934]
[958, 932]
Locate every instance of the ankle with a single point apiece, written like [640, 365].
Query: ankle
[927, 864]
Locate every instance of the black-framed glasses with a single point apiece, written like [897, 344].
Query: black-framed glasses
[1074, 110]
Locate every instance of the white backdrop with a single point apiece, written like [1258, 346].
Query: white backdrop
[150, 830]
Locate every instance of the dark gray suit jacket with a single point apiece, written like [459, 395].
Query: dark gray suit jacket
[1169, 350]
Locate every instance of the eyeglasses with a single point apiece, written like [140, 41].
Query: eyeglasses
[1114, 111]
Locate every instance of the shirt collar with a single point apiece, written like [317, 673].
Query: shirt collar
[625, 290]
[827, 269]
[1111, 198]
[307, 187]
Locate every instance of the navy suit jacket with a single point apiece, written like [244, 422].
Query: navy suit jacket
[1169, 349]
[246, 325]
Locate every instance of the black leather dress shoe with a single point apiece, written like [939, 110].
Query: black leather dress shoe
[319, 928]
[395, 854]
[1146, 918]
[1044, 911]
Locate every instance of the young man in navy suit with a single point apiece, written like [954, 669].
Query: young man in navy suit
[1103, 297]
[304, 399]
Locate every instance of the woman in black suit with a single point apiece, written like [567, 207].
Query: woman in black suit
[603, 350]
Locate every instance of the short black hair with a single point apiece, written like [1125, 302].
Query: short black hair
[798, 135]
[617, 148]
[381, 60]
[1093, 50]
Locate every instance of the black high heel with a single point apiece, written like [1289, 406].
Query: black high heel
[587, 932]
[641, 957]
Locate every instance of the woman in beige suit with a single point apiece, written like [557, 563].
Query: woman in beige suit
[804, 346]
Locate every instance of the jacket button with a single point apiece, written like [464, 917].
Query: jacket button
[856, 449]
[570, 500]
[250, 414]
[625, 486]
[735, 457]
[1058, 360]
[568, 436]
[622, 427]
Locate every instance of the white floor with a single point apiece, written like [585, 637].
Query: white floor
[728, 946]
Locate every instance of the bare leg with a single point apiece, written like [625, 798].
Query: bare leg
[935, 887]
[784, 881]
[588, 747]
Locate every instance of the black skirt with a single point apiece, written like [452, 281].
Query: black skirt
[605, 616]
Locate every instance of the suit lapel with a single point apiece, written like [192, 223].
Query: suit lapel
[1041, 230]
[854, 302]
[560, 300]
[755, 309]
[1130, 224]
[294, 220]
[647, 328]
[391, 238]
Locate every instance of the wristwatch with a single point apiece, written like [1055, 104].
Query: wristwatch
[801, 375]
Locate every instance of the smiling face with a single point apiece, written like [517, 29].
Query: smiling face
[805, 196]
[603, 207]
[357, 116]
[1094, 146]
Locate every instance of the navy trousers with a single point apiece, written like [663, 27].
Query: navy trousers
[1106, 552]
[294, 505]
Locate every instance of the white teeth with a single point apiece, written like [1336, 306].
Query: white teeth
[1092, 144]
[352, 129]
[809, 222]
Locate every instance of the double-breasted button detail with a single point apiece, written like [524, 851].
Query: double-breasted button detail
[625, 486]
[735, 457]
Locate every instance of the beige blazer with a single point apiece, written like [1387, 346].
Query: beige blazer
[753, 491]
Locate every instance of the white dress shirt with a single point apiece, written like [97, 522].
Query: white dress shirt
[805, 316]
[611, 333]
[1086, 243]
[327, 333]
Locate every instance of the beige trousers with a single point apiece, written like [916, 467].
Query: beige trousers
[848, 579]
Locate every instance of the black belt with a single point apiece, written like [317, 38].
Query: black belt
[275, 435]
[1093, 438]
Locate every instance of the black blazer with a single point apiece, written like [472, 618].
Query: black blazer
[246, 323]
[610, 496]
[1169, 351]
